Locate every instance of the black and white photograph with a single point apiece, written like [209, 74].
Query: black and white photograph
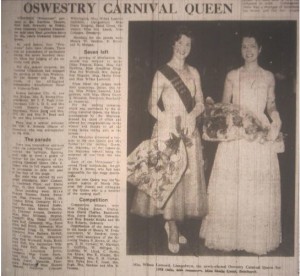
[211, 138]
[150, 138]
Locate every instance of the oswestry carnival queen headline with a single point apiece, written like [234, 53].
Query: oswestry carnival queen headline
[127, 8]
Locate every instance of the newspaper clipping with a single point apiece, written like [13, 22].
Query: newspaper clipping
[150, 137]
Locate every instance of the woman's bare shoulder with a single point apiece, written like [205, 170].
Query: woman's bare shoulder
[159, 76]
[233, 74]
[193, 71]
[268, 74]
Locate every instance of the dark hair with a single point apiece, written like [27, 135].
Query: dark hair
[179, 32]
[253, 34]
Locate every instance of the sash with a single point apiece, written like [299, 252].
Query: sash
[182, 90]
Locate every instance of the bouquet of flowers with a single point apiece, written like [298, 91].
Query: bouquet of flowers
[155, 167]
[226, 122]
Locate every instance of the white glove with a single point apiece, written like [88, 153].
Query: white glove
[275, 126]
[190, 125]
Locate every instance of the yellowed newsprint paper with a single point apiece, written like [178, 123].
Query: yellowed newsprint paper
[150, 137]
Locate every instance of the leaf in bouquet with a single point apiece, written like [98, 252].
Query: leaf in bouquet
[160, 198]
[281, 137]
[145, 179]
[217, 112]
[207, 121]
[264, 132]
[211, 133]
[174, 158]
[187, 141]
[153, 159]
[164, 187]
[252, 136]
[160, 165]
[163, 160]
[155, 145]
[164, 179]
[217, 123]
[138, 166]
[158, 175]
[221, 134]
[251, 129]
[237, 120]
[172, 144]
[172, 167]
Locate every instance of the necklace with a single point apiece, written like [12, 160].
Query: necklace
[251, 76]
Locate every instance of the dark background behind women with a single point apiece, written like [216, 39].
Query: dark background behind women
[215, 52]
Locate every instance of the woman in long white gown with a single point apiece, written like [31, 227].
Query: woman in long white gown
[178, 85]
[244, 196]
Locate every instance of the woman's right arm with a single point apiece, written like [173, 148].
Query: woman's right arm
[228, 89]
[157, 88]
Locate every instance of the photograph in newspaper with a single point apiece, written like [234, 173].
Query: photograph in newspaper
[150, 137]
[211, 138]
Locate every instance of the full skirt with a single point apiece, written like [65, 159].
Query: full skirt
[244, 199]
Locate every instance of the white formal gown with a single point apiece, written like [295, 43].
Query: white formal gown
[244, 197]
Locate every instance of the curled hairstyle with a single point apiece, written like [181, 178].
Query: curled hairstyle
[179, 32]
